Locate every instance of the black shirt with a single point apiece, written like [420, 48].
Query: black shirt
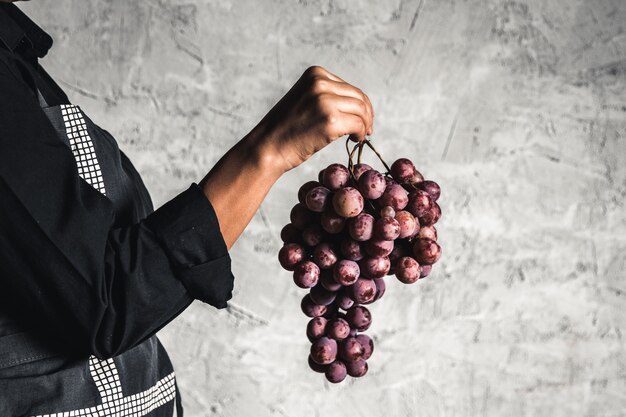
[88, 277]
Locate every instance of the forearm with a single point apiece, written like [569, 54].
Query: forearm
[238, 183]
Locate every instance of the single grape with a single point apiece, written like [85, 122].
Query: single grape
[306, 274]
[431, 187]
[290, 234]
[359, 169]
[402, 170]
[316, 367]
[416, 179]
[359, 318]
[419, 203]
[338, 329]
[335, 176]
[346, 272]
[368, 345]
[321, 296]
[426, 251]
[348, 202]
[380, 288]
[428, 232]
[377, 247]
[324, 350]
[372, 184]
[291, 255]
[361, 227]
[351, 250]
[305, 188]
[336, 372]
[432, 216]
[320, 176]
[387, 211]
[426, 269]
[407, 270]
[324, 255]
[363, 290]
[350, 349]
[408, 223]
[376, 267]
[316, 328]
[386, 228]
[357, 368]
[318, 199]
[344, 301]
[395, 196]
[332, 222]
[301, 216]
[328, 281]
[312, 235]
[310, 309]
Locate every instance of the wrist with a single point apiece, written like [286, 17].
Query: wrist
[261, 152]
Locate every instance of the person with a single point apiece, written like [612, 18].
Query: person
[89, 272]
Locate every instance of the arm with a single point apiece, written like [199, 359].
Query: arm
[317, 110]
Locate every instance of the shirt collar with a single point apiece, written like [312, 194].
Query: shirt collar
[20, 34]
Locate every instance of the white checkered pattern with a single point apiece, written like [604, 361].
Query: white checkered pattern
[104, 372]
[82, 146]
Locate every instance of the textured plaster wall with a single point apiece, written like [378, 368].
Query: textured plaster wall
[518, 109]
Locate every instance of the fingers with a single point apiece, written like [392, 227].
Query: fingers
[347, 124]
[345, 89]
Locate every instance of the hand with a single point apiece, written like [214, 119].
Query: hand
[317, 110]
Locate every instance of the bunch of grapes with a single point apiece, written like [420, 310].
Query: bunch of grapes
[350, 229]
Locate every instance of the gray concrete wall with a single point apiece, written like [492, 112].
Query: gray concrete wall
[518, 109]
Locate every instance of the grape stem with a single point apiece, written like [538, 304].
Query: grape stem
[360, 146]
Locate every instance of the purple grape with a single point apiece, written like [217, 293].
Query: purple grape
[310, 309]
[380, 288]
[408, 223]
[400, 249]
[395, 196]
[376, 267]
[290, 234]
[328, 281]
[426, 251]
[305, 188]
[316, 367]
[407, 270]
[331, 311]
[291, 255]
[335, 176]
[359, 169]
[386, 228]
[321, 296]
[361, 228]
[344, 301]
[346, 272]
[387, 211]
[332, 222]
[377, 247]
[431, 187]
[301, 217]
[336, 372]
[338, 329]
[431, 216]
[312, 235]
[428, 232]
[368, 345]
[318, 199]
[324, 256]
[348, 202]
[357, 368]
[419, 203]
[351, 250]
[320, 176]
[363, 291]
[359, 318]
[324, 350]
[416, 179]
[426, 269]
[316, 328]
[350, 349]
[372, 184]
[306, 274]
[390, 181]
[402, 170]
